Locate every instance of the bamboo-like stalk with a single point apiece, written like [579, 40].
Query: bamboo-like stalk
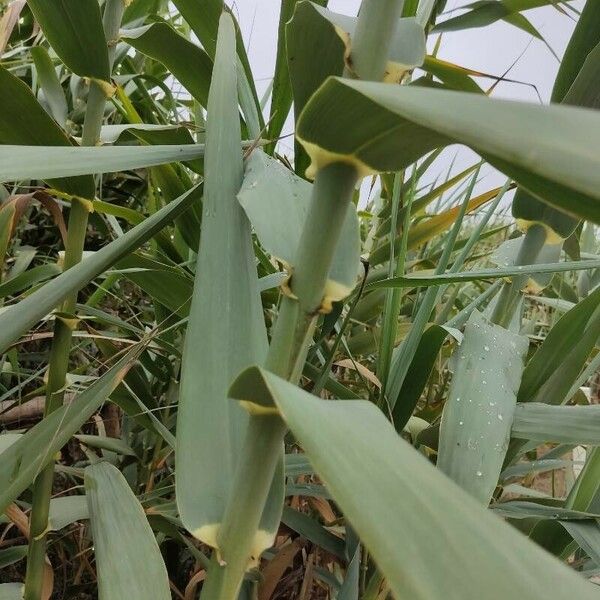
[61, 342]
[508, 300]
[333, 189]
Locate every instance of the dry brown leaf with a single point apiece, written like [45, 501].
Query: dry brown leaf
[276, 567]
[8, 21]
[348, 363]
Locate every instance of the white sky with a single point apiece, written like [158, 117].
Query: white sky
[491, 49]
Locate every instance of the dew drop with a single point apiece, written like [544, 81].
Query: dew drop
[479, 473]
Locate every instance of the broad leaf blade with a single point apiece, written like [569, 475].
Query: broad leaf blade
[577, 85]
[130, 567]
[478, 413]
[41, 162]
[562, 424]
[364, 463]
[186, 61]
[74, 30]
[277, 201]
[550, 151]
[226, 330]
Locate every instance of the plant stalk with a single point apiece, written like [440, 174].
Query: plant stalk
[332, 192]
[510, 294]
[62, 335]
[371, 44]
[333, 189]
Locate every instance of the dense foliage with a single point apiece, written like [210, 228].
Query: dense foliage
[350, 371]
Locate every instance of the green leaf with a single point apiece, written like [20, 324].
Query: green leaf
[50, 84]
[17, 319]
[562, 424]
[7, 217]
[171, 286]
[497, 273]
[65, 510]
[418, 373]
[23, 121]
[587, 536]
[11, 591]
[281, 97]
[74, 30]
[189, 63]
[364, 463]
[312, 531]
[478, 412]
[558, 361]
[277, 201]
[517, 509]
[105, 443]
[317, 41]
[486, 12]
[577, 85]
[11, 555]
[26, 457]
[21, 162]
[453, 76]
[585, 90]
[130, 567]
[226, 330]
[203, 18]
[585, 38]
[380, 127]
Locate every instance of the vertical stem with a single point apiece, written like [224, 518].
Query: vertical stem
[332, 192]
[61, 341]
[375, 29]
[508, 300]
[333, 189]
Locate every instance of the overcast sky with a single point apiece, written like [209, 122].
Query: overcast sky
[491, 49]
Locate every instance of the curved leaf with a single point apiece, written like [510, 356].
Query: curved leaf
[550, 151]
[364, 463]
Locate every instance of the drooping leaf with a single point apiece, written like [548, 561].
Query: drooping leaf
[189, 63]
[379, 128]
[363, 461]
[486, 12]
[50, 84]
[203, 18]
[585, 38]
[129, 566]
[169, 285]
[317, 43]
